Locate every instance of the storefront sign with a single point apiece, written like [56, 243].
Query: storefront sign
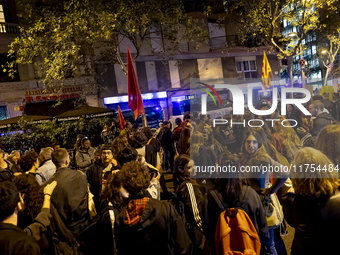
[19, 108]
[99, 115]
[57, 90]
[68, 118]
[30, 99]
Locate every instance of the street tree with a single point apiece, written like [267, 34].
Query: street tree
[68, 38]
[329, 53]
[262, 21]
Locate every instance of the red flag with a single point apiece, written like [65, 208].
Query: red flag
[121, 119]
[135, 97]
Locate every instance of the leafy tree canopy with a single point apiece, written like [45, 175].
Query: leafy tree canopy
[66, 38]
[264, 20]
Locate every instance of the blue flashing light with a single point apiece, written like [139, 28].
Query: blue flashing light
[124, 99]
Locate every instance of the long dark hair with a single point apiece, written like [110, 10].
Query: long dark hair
[178, 176]
[258, 133]
[230, 188]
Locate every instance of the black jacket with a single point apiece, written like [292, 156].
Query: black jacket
[164, 137]
[250, 202]
[151, 150]
[316, 222]
[295, 115]
[70, 198]
[322, 120]
[194, 231]
[15, 241]
[160, 231]
[94, 175]
[98, 237]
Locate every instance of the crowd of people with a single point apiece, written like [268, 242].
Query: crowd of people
[114, 199]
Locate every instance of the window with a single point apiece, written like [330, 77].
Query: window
[294, 29]
[2, 14]
[284, 23]
[3, 113]
[314, 49]
[246, 70]
[303, 42]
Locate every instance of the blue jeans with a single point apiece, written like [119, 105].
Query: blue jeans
[271, 245]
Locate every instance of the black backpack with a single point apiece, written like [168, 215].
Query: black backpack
[195, 231]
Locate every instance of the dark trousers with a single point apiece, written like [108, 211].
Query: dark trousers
[168, 159]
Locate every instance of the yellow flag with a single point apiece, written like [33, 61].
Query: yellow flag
[265, 72]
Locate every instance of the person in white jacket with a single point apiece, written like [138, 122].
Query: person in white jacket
[47, 168]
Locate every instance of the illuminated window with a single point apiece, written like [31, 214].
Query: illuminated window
[314, 49]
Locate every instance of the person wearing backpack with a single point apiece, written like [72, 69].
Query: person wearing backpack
[147, 226]
[189, 202]
[99, 237]
[231, 192]
[255, 155]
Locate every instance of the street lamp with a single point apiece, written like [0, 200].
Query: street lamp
[291, 35]
[324, 52]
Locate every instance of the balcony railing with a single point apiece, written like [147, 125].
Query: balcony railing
[218, 42]
[9, 28]
[222, 42]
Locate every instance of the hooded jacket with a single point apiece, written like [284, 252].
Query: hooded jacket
[84, 158]
[46, 170]
[322, 120]
[152, 229]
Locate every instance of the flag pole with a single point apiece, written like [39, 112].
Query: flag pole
[144, 120]
[275, 85]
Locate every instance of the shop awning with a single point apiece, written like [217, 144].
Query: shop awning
[35, 119]
[86, 111]
[49, 108]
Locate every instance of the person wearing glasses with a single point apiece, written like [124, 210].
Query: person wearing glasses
[98, 173]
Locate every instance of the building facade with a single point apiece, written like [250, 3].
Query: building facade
[162, 82]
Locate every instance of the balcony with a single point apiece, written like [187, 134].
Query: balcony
[223, 42]
[9, 29]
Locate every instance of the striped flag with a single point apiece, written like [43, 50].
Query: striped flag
[265, 72]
